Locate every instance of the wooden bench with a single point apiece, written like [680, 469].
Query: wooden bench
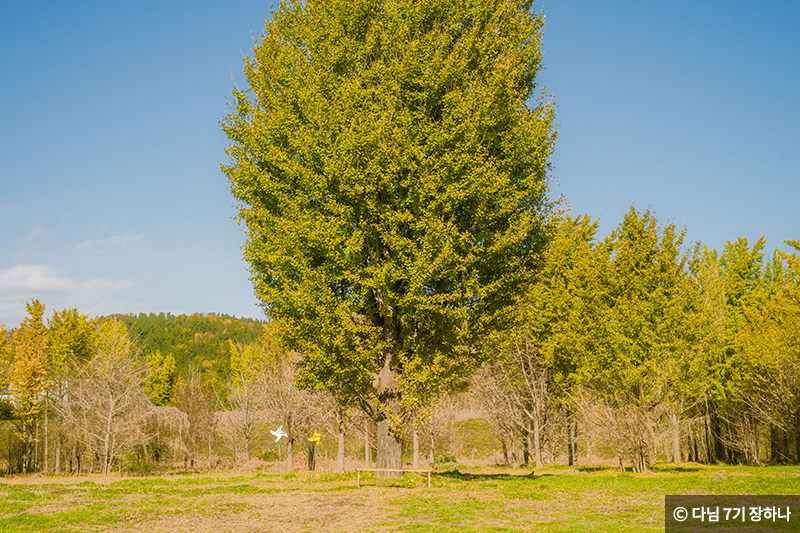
[420, 471]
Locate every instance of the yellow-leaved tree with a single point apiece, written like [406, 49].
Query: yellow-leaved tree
[28, 377]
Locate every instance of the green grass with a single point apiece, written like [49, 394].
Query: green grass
[478, 500]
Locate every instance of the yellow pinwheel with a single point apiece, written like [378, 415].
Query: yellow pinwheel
[315, 437]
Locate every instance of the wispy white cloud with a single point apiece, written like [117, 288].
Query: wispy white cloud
[22, 283]
[35, 232]
[116, 240]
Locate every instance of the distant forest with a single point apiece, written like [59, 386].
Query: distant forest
[198, 342]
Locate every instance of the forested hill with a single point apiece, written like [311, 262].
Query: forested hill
[199, 339]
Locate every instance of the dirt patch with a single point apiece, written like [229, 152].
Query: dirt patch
[288, 512]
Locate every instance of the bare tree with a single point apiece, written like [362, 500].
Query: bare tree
[245, 421]
[515, 392]
[197, 402]
[291, 407]
[337, 420]
[489, 392]
[636, 434]
[105, 402]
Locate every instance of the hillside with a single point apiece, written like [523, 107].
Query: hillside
[198, 340]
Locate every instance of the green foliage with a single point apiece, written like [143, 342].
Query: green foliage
[248, 361]
[29, 372]
[6, 354]
[392, 180]
[645, 301]
[6, 409]
[768, 355]
[744, 284]
[161, 378]
[198, 341]
[71, 335]
[553, 309]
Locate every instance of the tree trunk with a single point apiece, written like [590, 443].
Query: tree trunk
[340, 447]
[716, 448]
[290, 454]
[46, 435]
[416, 448]
[367, 455]
[312, 457]
[35, 443]
[575, 441]
[797, 437]
[570, 447]
[696, 451]
[526, 450]
[431, 455]
[210, 443]
[107, 442]
[390, 453]
[537, 446]
[389, 450]
[59, 444]
[676, 438]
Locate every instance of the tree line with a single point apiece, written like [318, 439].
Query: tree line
[88, 394]
[83, 394]
[653, 351]
[634, 345]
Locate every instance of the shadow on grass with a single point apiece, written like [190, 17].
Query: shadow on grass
[456, 475]
[677, 468]
[594, 468]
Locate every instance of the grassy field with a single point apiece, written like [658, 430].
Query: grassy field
[556, 499]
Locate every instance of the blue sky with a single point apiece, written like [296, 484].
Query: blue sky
[112, 200]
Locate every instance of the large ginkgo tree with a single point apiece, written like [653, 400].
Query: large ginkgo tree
[390, 164]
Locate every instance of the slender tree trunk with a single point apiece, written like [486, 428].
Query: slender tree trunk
[696, 450]
[570, 446]
[505, 450]
[35, 444]
[107, 441]
[526, 450]
[537, 447]
[575, 450]
[718, 449]
[367, 455]
[431, 455]
[340, 447]
[46, 455]
[290, 454]
[210, 442]
[416, 448]
[676, 438]
[797, 437]
[59, 444]
[311, 456]
[8, 450]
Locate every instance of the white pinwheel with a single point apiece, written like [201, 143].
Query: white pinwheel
[279, 433]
